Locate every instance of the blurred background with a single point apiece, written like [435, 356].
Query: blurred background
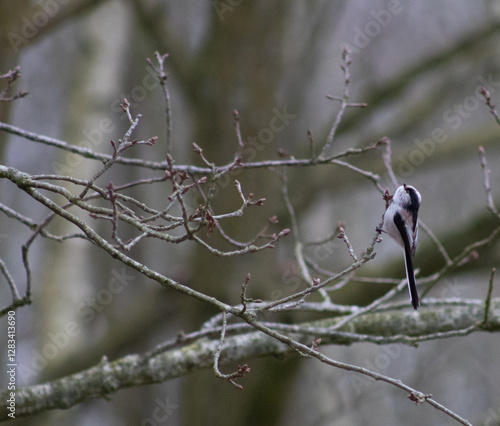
[418, 65]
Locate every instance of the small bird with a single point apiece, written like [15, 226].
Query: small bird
[401, 223]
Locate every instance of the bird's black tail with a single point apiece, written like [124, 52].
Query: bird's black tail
[410, 276]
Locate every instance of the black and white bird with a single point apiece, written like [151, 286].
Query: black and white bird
[401, 223]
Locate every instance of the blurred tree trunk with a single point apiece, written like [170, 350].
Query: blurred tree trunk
[233, 73]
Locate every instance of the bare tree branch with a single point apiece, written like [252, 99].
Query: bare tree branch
[108, 377]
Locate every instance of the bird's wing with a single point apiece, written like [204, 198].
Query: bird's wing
[409, 251]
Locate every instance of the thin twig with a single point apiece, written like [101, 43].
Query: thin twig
[389, 295]
[387, 159]
[342, 235]
[490, 103]
[368, 255]
[344, 102]
[30, 223]
[249, 249]
[327, 239]
[245, 301]
[311, 144]
[11, 77]
[10, 281]
[487, 187]
[487, 302]
[119, 147]
[163, 76]
[242, 369]
[372, 176]
[461, 259]
[241, 145]
[436, 241]
[260, 235]
[299, 253]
